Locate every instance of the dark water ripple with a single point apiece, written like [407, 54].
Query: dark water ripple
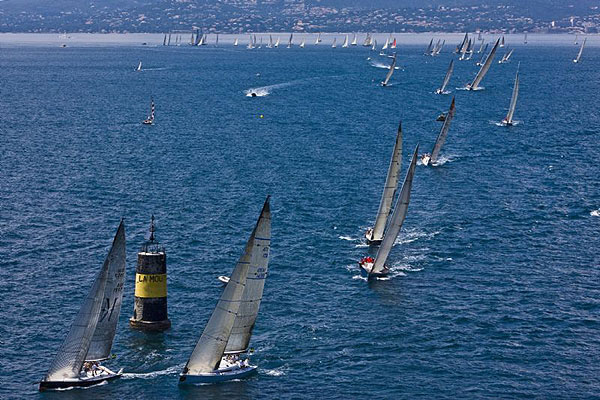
[495, 286]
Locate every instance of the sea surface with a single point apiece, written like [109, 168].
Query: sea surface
[494, 291]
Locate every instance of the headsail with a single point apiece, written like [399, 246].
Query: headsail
[442, 89]
[393, 229]
[484, 68]
[443, 133]
[72, 353]
[253, 292]
[513, 100]
[389, 190]
[390, 72]
[210, 348]
[106, 328]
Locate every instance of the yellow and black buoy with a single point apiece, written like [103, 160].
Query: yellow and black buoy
[150, 309]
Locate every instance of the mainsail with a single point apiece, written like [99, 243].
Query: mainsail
[106, 328]
[513, 100]
[580, 51]
[484, 68]
[72, 353]
[345, 42]
[390, 72]
[389, 190]
[253, 292]
[393, 229]
[428, 51]
[442, 89]
[210, 348]
[354, 40]
[443, 133]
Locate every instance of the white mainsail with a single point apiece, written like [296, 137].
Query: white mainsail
[334, 43]
[354, 40]
[442, 89]
[302, 44]
[72, 353]
[106, 328]
[513, 100]
[389, 190]
[241, 332]
[210, 348]
[318, 38]
[502, 43]
[400, 210]
[390, 72]
[139, 67]
[235, 42]
[578, 59]
[484, 68]
[276, 42]
[345, 42]
[441, 139]
[386, 44]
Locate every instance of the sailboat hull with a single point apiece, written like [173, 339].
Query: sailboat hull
[77, 383]
[368, 267]
[218, 376]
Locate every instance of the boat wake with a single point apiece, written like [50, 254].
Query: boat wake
[595, 213]
[381, 65]
[80, 387]
[274, 372]
[440, 161]
[151, 375]
[503, 125]
[348, 238]
[154, 69]
[262, 91]
[474, 90]
[413, 236]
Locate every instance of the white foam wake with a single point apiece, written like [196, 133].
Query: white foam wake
[595, 213]
[378, 64]
[150, 375]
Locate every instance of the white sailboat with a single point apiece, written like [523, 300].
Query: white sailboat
[139, 67]
[506, 57]
[502, 42]
[462, 45]
[235, 42]
[377, 267]
[390, 72]
[150, 119]
[250, 45]
[374, 45]
[508, 120]
[386, 44]
[442, 89]
[576, 40]
[334, 45]
[525, 39]
[276, 42]
[345, 44]
[428, 51]
[480, 62]
[374, 235]
[318, 38]
[439, 49]
[227, 333]
[578, 59]
[354, 40]
[481, 47]
[93, 330]
[463, 51]
[302, 44]
[431, 159]
[484, 69]
[368, 41]
[393, 46]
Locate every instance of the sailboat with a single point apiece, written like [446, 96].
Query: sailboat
[334, 45]
[354, 40]
[480, 62]
[484, 69]
[428, 51]
[442, 89]
[578, 59]
[139, 67]
[302, 44]
[481, 47]
[289, 45]
[345, 45]
[377, 267]
[229, 329]
[92, 333]
[462, 45]
[217, 40]
[502, 42]
[386, 44]
[508, 120]
[390, 72]
[169, 40]
[431, 159]
[276, 42]
[576, 40]
[470, 50]
[393, 44]
[165, 40]
[439, 48]
[235, 42]
[463, 51]
[150, 119]
[318, 38]
[506, 57]
[525, 39]
[374, 45]
[270, 45]
[250, 43]
[374, 235]
[368, 41]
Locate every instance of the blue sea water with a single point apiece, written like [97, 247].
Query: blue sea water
[494, 287]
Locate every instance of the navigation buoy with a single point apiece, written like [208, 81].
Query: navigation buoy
[150, 308]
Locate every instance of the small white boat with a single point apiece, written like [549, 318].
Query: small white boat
[508, 120]
[223, 279]
[428, 50]
[377, 267]
[345, 44]
[390, 72]
[235, 42]
[216, 356]
[139, 67]
[334, 45]
[354, 41]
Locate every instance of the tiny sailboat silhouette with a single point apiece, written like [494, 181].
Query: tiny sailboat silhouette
[345, 44]
[139, 67]
[377, 267]
[393, 46]
[442, 89]
[463, 44]
[374, 235]
[368, 41]
[481, 47]
[150, 119]
[92, 333]
[431, 159]
[480, 62]
[276, 42]
[502, 42]
[484, 68]
[318, 38]
[428, 50]
[578, 59]
[334, 45]
[216, 356]
[506, 57]
[235, 42]
[525, 38]
[302, 44]
[390, 72]
[289, 45]
[508, 120]
[354, 40]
